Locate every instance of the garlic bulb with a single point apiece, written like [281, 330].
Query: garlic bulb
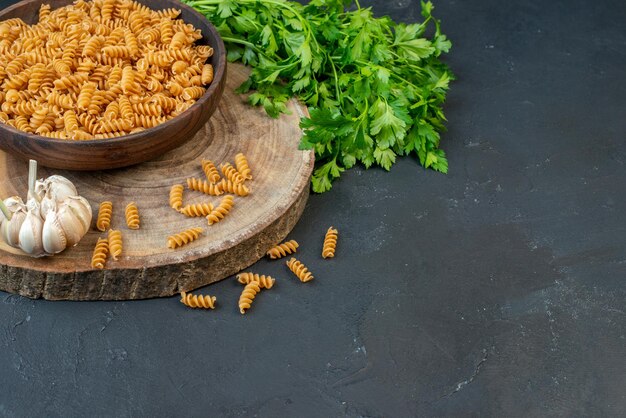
[53, 218]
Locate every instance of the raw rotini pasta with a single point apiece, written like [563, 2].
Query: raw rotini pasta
[281, 250]
[197, 301]
[299, 270]
[231, 173]
[104, 215]
[176, 196]
[239, 189]
[207, 74]
[198, 209]
[265, 282]
[241, 162]
[248, 295]
[100, 252]
[204, 187]
[212, 175]
[115, 243]
[182, 238]
[221, 211]
[117, 64]
[330, 243]
[132, 216]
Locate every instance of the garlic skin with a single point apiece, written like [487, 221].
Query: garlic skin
[30, 236]
[53, 235]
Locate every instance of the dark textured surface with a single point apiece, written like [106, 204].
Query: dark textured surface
[497, 290]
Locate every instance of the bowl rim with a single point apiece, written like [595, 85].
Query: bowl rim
[218, 73]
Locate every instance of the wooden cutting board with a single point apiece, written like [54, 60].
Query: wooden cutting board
[147, 268]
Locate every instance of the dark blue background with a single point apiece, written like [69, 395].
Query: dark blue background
[495, 290]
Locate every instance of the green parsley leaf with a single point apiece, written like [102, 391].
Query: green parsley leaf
[375, 88]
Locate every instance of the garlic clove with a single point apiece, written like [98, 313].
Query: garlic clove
[70, 223]
[30, 234]
[53, 236]
[14, 203]
[10, 229]
[56, 187]
[82, 209]
[47, 205]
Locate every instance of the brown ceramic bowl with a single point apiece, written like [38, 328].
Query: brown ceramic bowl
[129, 149]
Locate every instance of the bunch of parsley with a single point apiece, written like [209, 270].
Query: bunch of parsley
[374, 88]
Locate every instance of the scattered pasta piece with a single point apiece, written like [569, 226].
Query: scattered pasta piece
[231, 173]
[265, 282]
[222, 210]
[204, 187]
[99, 257]
[182, 238]
[330, 243]
[197, 301]
[176, 196]
[299, 270]
[212, 175]
[242, 166]
[248, 295]
[104, 215]
[132, 216]
[115, 243]
[234, 188]
[281, 250]
[198, 209]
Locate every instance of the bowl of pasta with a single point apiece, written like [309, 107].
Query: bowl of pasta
[101, 84]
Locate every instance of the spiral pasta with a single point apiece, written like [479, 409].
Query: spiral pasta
[100, 252]
[207, 74]
[281, 250]
[115, 243]
[176, 196]
[231, 173]
[212, 175]
[299, 270]
[239, 189]
[197, 301]
[241, 162]
[248, 295]
[132, 216]
[204, 187]
[330, 243]
[184, 237]
[198, 209]
[265, 282]
[104, 215]
[221, 211]
[89, 54]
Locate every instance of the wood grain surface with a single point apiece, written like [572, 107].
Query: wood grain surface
[147, 268]
[129, 149]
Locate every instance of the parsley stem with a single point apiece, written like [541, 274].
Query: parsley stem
[339, 96]
[242, 42]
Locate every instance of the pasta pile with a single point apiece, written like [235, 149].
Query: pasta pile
[99, 69]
